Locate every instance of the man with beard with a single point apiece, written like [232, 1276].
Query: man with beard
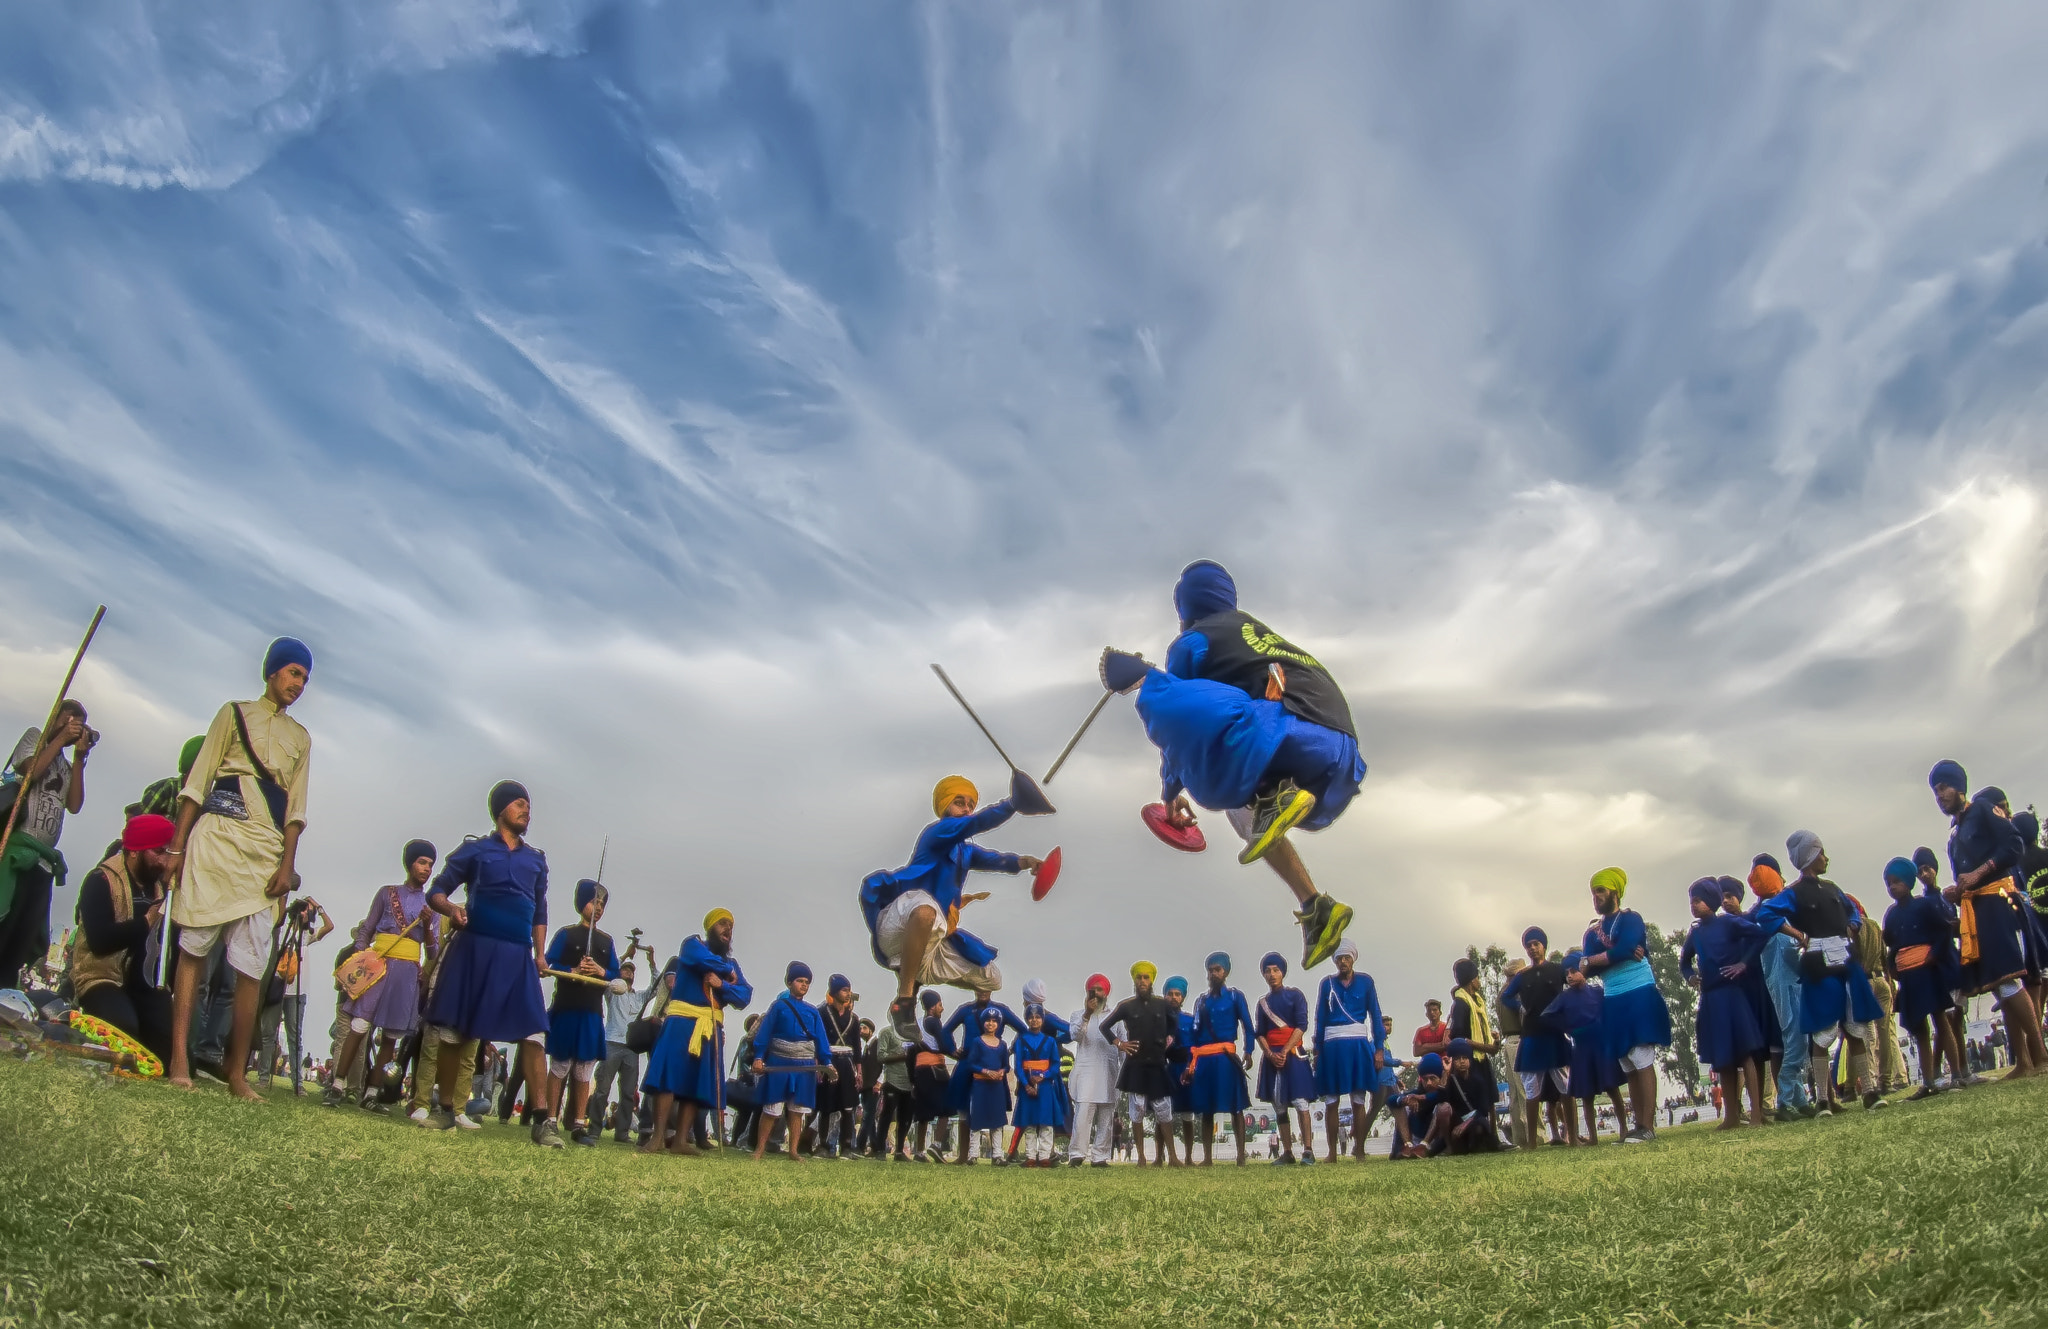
[688, 1061]
[1150, 1026]
[120, 906]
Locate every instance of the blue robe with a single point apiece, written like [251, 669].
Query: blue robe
[1726, 1028]
[1221, 1018]
[962, 1027]
[487, 986]
[1178, 1058]
[988, 1102]
[578, 1035]
[939, 864]
[1920, 921]
[1346, 1065]
[671, 1067]
[1579, 1011]
[795, 1021]
[1292, 1080]
[1635, 1016]
[1048, 1107]
[1982, 837]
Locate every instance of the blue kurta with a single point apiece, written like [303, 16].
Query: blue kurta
[1178, 1058]
[1345, 1065]
[939, 864]
[488, 987]
[1221, 1018]
[1292, 1081]
[1579, 1011]
[1912, 922]
[578, 1035]
[671, 1067]
[988, 1103]
[1633, 1013]
[963, 1026]
[792, 1020]
[1048, 1107]
[1726, 1027]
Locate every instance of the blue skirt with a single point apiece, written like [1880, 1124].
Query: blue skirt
[1543, 1052]
[1183, 1094]
[1634, 1018]
[1728, 1034]
[782, 1087]
[1920, 994]
[1757, 993]
[2001, 945]
[1829, 1000]
[488, 989]
[1344, 1066]
[988, 1105]
[1046, 1108]
[672, 1070]
[1593, 1071]
[1292, 1082]
[576, 1036]
[1219, 1085]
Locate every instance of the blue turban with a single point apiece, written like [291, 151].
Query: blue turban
[1272, 958]
[1991, 794]
[1707, 890]
[1034, 1009]
[1573, 958]
[1535, 934]
[1767, 861]
[1923, 858]
[588, 890]
[287, 651]
[1903, 869]
[1216, 958]
[1177, 984]
[1948, 773]
[504, 794]
[1204, 589]
[1431, 1064]
[837, 984]
[1732, 886]
[2028, 825]
[415, 849]
[927, 998]
[1459, 1047]
[990, 1012]
[798, 969]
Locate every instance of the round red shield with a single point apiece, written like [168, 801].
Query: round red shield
[1045, 874]
[1188, 839]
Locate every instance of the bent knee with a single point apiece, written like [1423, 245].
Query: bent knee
[924, 915]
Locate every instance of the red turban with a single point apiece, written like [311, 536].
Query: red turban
[147, 831]
[1098, 983]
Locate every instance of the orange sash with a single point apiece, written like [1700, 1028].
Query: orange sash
[1212, 1050]
[1966, 912]
[930, 1059]
[1035, 1066]
[1913, 957]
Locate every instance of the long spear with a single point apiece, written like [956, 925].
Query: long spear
[14, 810]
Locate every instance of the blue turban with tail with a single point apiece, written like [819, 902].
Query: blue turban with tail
[1204, 589]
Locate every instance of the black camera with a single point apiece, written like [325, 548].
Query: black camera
[300, 912]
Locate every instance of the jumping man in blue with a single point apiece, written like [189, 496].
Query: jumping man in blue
[1215, 1073]
[1249, 724]
[790, 1034]
[688, 1060]
[1348, 1056]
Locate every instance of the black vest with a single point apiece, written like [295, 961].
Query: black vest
[1541, 985]
[1818, 908]
[573, 994]
[1240, 651]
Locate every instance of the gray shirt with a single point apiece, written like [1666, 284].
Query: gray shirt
[42, 806]
[621, 1008]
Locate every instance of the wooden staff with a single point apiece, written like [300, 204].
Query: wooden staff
[580, 978]
[14, 811]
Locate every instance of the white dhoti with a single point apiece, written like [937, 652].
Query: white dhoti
[942, 964]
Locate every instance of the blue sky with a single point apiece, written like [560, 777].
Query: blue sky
[1641, 410]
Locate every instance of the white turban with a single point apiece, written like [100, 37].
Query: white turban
[1804, 846]
[1344, 948]
[1034, 992]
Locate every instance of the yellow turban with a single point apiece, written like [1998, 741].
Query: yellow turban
[715, 917]
[1145, 969]
[1611, 879]
[945, 790]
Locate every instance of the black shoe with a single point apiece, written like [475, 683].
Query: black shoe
[212, 1070]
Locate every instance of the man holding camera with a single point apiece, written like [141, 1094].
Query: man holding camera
[622, 1005]
[50, 786]
[239, 819]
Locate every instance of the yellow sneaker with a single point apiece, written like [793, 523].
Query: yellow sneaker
[1275, 814]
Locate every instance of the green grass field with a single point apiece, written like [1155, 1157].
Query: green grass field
[128, 1203]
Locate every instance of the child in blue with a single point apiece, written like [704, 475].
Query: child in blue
[1726, 946]
[987, 1059]
[688, 1060]
[1577, 1011]
[1543, 1058]
[576, 1042]
[1215, 1074]
[791, 1033]
[1756, 990]
[1918, 935]
[1634, 1020]
[1041, 1089]
[488, 987]
[960, 1029]
[1179, 1057]
[1422, 1117]
[1249, 724]
[1285, 1079]
[1348, 1053]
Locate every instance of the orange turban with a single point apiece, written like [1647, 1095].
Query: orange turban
[1765, 881]
[947, 789]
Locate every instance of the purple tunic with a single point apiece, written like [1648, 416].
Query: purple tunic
[393, 1002]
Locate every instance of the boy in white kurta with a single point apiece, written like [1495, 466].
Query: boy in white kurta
[239, 818]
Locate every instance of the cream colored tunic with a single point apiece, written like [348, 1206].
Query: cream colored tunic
[229, 863]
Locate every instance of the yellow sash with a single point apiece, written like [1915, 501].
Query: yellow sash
[394, 946]
[709, 1020]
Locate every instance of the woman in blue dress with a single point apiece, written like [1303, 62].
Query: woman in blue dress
[1725, 947]
[1285, 1079]
[987, 1059]
[1041, 1089]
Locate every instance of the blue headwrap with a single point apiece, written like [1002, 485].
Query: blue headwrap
[1272, 958]
[1216, 958]
[503, 795]
[1032, 1009]
[1767, 861]
[990, 1012]
[1459, 1047]
[1903, 869]
[1924, 858]
[1991, 794]
[798, 969]
[1707, 890]
[1948, 773]
[1733, 886]
[2028, 825]
[1573, 958]
[417, 849]
[588, 890]
[837, 984]
[1204, 589]
[1535, 934]
[927, 998]
[287, 651]
[1177, 984]
[1431, 1064]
